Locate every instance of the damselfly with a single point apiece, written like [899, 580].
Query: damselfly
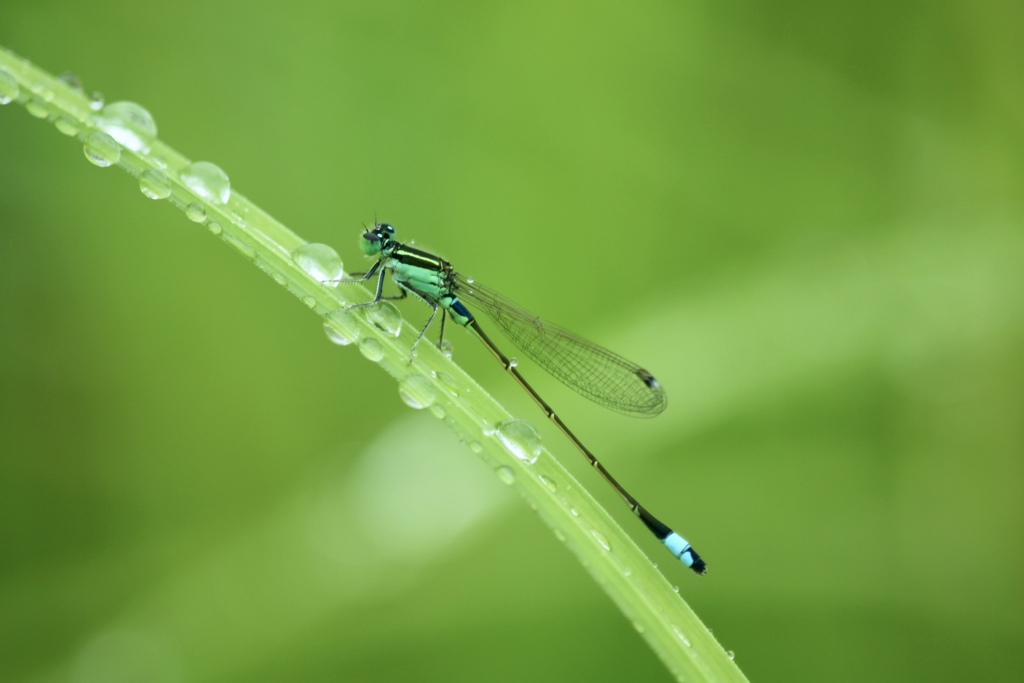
[595, 372]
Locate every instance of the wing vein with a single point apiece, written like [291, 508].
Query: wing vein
[593, 371]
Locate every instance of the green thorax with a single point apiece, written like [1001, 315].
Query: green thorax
[423, 273]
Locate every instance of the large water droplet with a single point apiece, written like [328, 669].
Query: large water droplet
[385, 316]
[208, 181]
[372, 349]
[341, 327]
[96, 101]
[101, 149]
[521, 439]
[601, 539]
[154, 184]
[417, 392]
[8, 87]
[128, 123]
[320, 261]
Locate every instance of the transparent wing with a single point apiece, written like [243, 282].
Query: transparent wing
[591, 370]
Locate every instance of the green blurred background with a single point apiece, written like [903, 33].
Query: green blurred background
[804, 218]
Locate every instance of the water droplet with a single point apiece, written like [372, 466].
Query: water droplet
[96, 101]
[438, 411]
[681, 635]
[372, 349]
[449, 383]
[37, 108]
[559, 535]
[476, 447]
[309, 300]
[675, 588]
[550, 484]
[513, 361]
[521, 439]
[196, 212]
[506, 475]
[67, 125]
[208, 181]
[154, 184]
[278, 278]
[730, 654]
[601, 539]
[72, 81]
[341, 327]
[128, 123]
[470, 279]
[8, 87]
[319, 261]
[574, 512]
[446, 348]
[417, 392]
[101, 149]
[215, 227]
[243, 247]
[385, 316]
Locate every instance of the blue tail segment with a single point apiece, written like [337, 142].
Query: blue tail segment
[676, 544]
[680, 547]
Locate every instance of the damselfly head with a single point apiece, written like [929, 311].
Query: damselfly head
[374, 240]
